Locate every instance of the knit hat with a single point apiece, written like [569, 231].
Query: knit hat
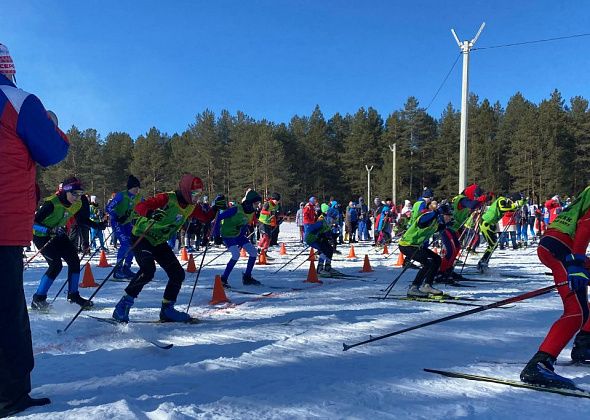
[6, 63]
[189, 183]
[312, 200]
[427, 193]
[71, 184]
[132, 182]
[251, 197]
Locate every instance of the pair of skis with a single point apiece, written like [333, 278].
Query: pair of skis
[577, 392]
[156, 343]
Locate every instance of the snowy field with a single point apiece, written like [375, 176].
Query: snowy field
[281, 356]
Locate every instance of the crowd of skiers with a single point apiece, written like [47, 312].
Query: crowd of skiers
[146, 228]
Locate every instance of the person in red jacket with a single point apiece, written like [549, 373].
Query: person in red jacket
[28, 135]
[160, 217]
[309, 214]
[554, 207]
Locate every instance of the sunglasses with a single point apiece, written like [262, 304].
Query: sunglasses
[76, 194]
[196, 193]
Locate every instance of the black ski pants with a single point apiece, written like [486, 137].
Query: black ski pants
[59, 248]
[16, 348]
[429, 259]
[146, 256]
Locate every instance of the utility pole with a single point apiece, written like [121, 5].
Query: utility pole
[393, 190]
[465, 47]
[369, 184]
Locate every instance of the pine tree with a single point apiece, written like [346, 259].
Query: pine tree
[151, 162]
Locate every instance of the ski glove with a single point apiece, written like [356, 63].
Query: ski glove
[157, 214]
[57, 231]
[577, 275]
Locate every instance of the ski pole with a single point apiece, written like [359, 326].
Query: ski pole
[291, 260]
[37, 253]
[299, 265]
[81, 269]
[513, 299]
[201, 266]
[102, 283]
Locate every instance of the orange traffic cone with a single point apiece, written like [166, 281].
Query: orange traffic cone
[351, 253]
[385, 250]
[283, 250]
[218, 292]
[311, 255]
[312, 274]
[400, 260]
[243, 253]
[367, 265]
[103, 263]
[88, 279]
[262, 258]
[191, 267]
[183, 254]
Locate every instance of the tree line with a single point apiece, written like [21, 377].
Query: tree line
[539, 149]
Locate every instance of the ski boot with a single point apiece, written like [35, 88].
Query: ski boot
[248, 280]
[121, 312]
[581, 349]
[482, 266]
[414, 292]
[429, 290]
[320, 268]
[76, 298]
[126, 270]
[169, 314]
[539, 371]
[119, 274]
[40, 303]
[224, 283]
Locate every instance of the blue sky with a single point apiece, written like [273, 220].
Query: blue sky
[130, 65]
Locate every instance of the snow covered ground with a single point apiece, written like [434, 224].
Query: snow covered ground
[281, 356]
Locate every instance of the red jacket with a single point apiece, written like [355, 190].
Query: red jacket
[309, 214]
[27, 136]
[554, 208]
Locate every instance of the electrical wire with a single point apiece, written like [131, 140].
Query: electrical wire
[514, 44]
[443, 82]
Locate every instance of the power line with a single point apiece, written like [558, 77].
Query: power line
[443, 82]
[514, 44]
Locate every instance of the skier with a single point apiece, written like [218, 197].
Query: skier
[489, 221]
[160, 217]
[29, 135]
[320, 236]
[563, 250]
[351, 220]
[232, 224]
[413, 246]
[364, 221]
[268, 221]
[120, 210]
[49, 235]
[421, 205]
[464, 204]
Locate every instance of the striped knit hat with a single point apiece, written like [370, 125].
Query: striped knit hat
[6, 63]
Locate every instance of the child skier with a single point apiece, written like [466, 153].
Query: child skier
[49, 235]
[232, 224]
[320, 236]
[160, 217]
[412, 245]
[120, 210]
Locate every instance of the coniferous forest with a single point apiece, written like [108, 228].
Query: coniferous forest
[539, 149]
